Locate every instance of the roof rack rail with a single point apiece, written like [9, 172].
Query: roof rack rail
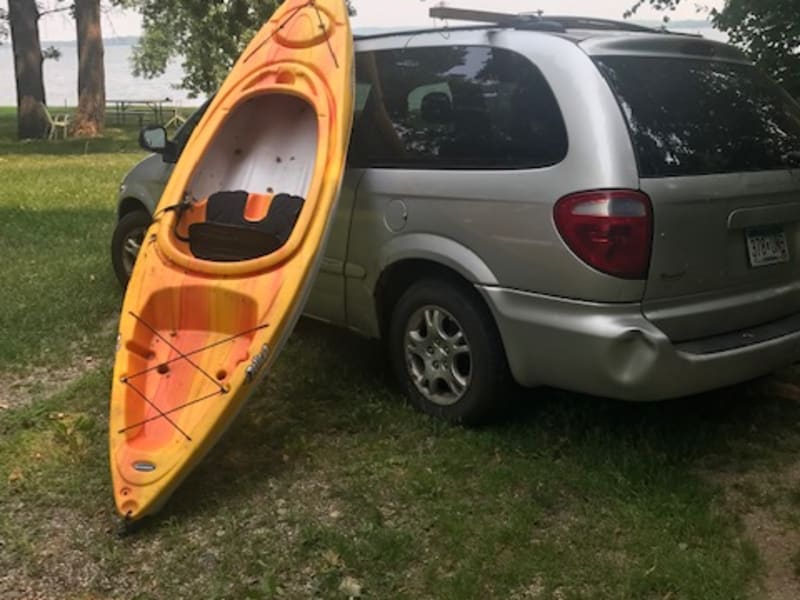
[536, 21]
[423, 30]
[523, 21]
[571, 22]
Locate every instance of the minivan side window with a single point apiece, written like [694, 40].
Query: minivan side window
[455, 107]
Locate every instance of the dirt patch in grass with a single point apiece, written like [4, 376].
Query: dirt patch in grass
[765, 496]
[56, 565]
[777, 546]
[23, 385]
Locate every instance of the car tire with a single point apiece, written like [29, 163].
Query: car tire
[126, 242]
[447, 354]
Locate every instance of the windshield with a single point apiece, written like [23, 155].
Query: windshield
[696, 117]
[185, 131]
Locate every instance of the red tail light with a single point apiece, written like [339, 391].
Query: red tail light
[610, 230]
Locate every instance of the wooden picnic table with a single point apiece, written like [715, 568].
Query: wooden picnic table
[124, 107]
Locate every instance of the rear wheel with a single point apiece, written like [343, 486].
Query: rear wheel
[446, 352]
[126, 243]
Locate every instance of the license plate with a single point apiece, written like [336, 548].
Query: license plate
[767, 247]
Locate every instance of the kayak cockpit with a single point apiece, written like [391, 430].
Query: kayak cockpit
[249, 188]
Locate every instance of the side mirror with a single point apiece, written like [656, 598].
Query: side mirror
[154, 139]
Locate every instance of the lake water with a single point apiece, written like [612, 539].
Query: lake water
[61, 77]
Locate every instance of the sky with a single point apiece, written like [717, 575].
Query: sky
[394, 13]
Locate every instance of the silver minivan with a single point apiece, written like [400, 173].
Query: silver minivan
[583, 204]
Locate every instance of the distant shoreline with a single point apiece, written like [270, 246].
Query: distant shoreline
[110, 41]
[61, 77]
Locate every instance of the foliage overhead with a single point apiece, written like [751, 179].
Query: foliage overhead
[207, 35]
[51, 52]
[3, 25]
[768, 30]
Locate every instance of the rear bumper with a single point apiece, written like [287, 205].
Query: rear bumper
[612, 350]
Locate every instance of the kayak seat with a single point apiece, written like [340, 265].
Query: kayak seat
[227, 235]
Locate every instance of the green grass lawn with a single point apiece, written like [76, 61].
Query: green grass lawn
[328, 485]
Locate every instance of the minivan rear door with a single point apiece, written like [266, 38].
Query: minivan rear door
[717, 143]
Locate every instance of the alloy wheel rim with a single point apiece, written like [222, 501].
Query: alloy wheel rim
[131, 247]
[438, 355]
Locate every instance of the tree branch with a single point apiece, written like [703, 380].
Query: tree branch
[51, 11]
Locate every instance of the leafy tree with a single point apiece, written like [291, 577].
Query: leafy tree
[209, 35]
[3, 25]
[768, 30]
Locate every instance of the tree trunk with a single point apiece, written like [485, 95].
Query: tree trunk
[90, 117]
[23, 17]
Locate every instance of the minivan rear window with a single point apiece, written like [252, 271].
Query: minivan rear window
[697, 117]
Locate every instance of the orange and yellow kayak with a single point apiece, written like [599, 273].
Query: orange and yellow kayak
[236, 240]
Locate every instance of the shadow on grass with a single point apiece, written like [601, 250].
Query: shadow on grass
[116, 138]
[329, 384]
[728, 429]
[114, 141]
[57, 282]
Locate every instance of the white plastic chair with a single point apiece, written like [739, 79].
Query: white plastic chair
[56, 123]
[177, 118]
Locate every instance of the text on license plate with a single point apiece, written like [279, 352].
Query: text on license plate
[767, 247]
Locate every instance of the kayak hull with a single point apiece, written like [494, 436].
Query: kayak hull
[197, 335]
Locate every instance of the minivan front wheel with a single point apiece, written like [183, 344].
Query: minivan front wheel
[126, 243]
[446, 352]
